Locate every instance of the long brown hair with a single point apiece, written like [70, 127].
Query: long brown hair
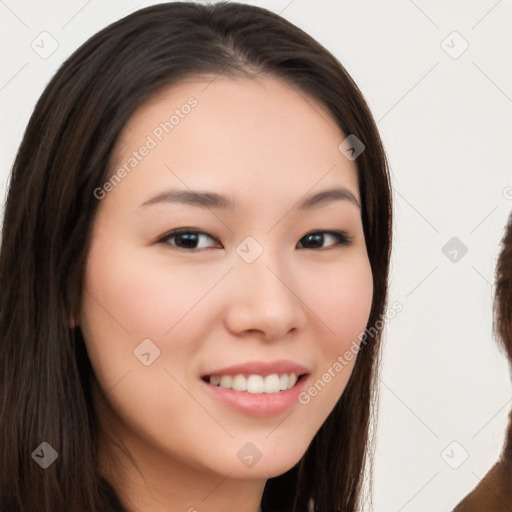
[66, 153]
[503, 294]
[503, 317]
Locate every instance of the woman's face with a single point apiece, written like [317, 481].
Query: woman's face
[257, 279]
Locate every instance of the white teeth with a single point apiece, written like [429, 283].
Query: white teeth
[226, 381]
[255, 383]
[272, 383]
[239, 383]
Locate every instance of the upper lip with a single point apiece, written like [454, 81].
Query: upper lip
[262, 368]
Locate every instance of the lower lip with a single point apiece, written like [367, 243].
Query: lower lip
[262, 405]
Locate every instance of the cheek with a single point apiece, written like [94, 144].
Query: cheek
[140, 295]
[342, 300]
[128, 300]
[131, 297]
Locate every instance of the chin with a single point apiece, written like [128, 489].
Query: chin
[263, 460]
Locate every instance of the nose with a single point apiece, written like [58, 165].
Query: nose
[263, 299]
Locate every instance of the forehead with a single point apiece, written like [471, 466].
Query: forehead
[220, 132]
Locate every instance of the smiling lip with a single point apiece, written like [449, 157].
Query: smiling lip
[261, 405]
[261, 368]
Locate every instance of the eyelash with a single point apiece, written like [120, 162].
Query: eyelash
[342, 238]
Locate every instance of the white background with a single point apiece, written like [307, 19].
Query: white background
[447, 125]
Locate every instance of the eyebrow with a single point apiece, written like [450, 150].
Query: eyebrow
[218, 201]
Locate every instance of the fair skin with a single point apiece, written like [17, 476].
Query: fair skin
[303, 299]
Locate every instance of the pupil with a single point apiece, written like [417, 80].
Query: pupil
[189, 239]
[318, 238]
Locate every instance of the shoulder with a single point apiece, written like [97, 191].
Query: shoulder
[492, 494]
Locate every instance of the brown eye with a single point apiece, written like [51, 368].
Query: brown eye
[316, 239]
[187, 239]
